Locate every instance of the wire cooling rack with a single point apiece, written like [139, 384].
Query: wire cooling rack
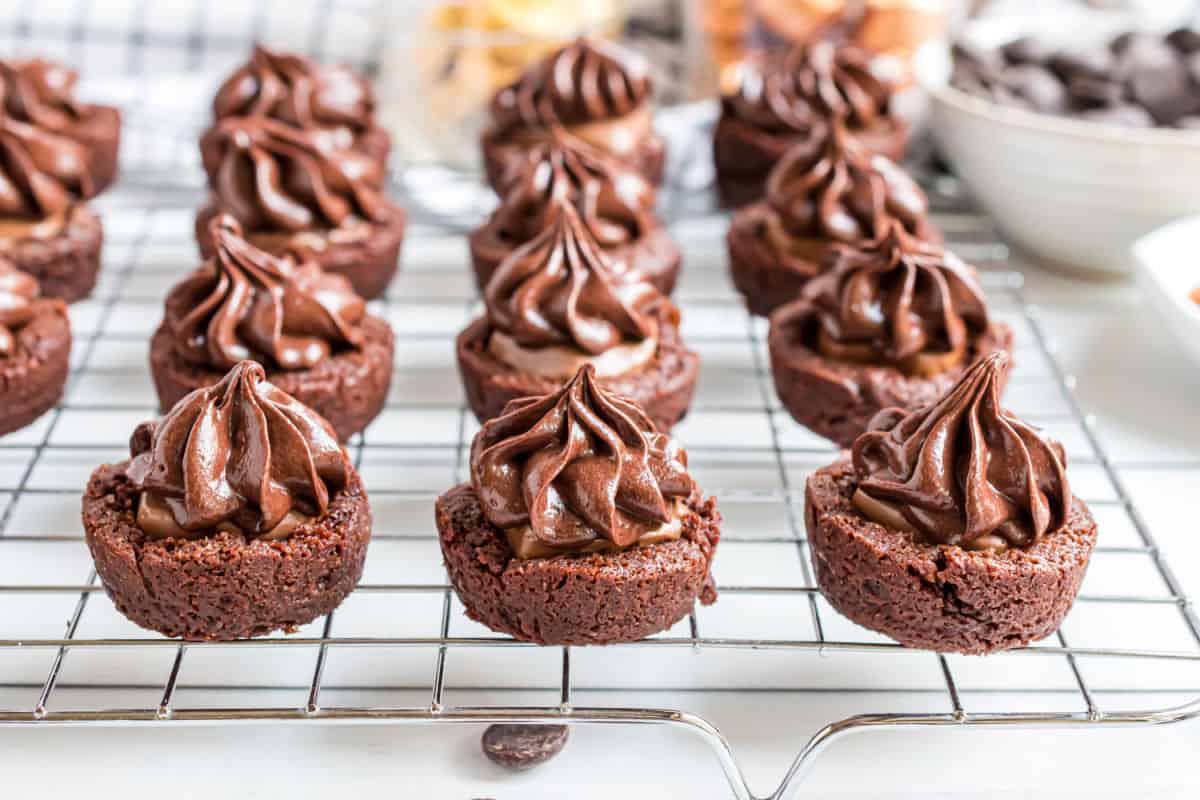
[400, 650]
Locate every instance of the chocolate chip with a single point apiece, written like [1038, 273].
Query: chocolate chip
[1087, 92]
[1025, 50]
[1125, 115]
[1164, 92]
[1185, 40]
[1037, 85]
[1094, 63]
[1138, 79]
[521, 747]
[1143, 53]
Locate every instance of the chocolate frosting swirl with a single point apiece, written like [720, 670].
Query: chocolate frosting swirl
[42, 93]
[559, 289]
[18, 296]
[246, 303]
[272, 176]
[41, 172]
[963, 469]
[896, 296]
[811, 83]
[577, 465]
[614, 201]
[242, 452]
[296, 90]
[585, 81]
[837, 190]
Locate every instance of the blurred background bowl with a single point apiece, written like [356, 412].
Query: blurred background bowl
[1075, 194]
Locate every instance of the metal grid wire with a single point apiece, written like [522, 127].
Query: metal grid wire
[402, 637]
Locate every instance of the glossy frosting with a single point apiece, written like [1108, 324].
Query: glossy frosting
[896, 301]
[585, 81]
[272, 176]
[834, 189]
[579, 465]
[558, 289]
[615, 203]
[42, 93]
[240, 452]
[964, 471]
[18, 295]
[41, 172]
[294, 89]
[810, 84]
[247, 303]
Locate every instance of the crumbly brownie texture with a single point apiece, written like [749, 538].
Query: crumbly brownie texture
[33, 376]
[655, 255]
[65, 266]
[369, 264]
[940, 597]
[348, 389]
[744, 155]
[663, 387]
[763, 278]
[223, 586]
[599, 598]
[837, 399]
[650, 159]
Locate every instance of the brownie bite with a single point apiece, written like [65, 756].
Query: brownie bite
[827, 191]
[236, 515]
[331, 100]
[953, 527]
[308, 328]
[892, 322]
[555, 304]
[580, 524]
[614, 201]
[292, 191]
[41, 94]
[45, 228]
[597, 91]
[781, 98]
[35, 349]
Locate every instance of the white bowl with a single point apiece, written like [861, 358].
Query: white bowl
[1168, 270]
[1076, 194]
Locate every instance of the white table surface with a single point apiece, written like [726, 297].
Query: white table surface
[1145, 398]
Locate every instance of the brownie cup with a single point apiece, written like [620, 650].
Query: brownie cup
[894, 322]
[555, 304]
[951, 528]
[292, 192]
[307, 327]
[827, 191]
[597, 91]
[580, 525]
[333, 101]
[237, 515]
[45, 229]
[614, 201]
[35, 350]
[779, 101]
[41, 94]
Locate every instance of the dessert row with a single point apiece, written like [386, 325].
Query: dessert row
[949, 525]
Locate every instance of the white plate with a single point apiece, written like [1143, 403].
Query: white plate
[1168, 270]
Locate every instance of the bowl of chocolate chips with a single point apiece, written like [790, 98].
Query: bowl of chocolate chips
[1076, 138]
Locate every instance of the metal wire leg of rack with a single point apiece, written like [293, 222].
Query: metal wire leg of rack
[417, 449]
